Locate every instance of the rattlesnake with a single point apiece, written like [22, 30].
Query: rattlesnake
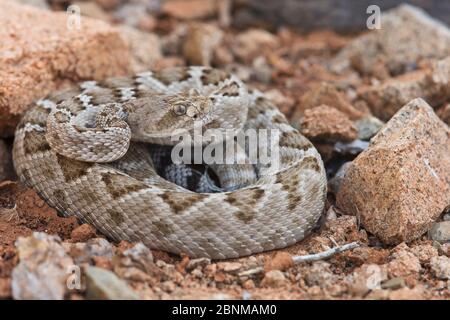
[74, 149]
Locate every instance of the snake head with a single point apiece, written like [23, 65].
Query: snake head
[156, 117]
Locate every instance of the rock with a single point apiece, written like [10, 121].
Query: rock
[99, 247]
[262, 72]
[424, 252]
[319, 274]
[136, 14]
[136, 264]
[147, 23]
[367, 255]
[282, 261]
[331, 213]
[105, 285]
[168, 286]
[172, 43]
[283, 101]
[431, 84]
[416, 293]
[189, 9]
[325, 94]
[403, 264]
[151, 6]
[197, 273]
[230, 267]
[102, 262]
[84, 252]
[334, 184]
[251, 43]
[200, 42]
[440, 232]
[133, 274]
[222, 57]
[366, 278]
[131, 14]
[82, 233]
[249, 284]
[445, 249]
[251, 272]
[40, 54]
[41, 4]
[350, 148]
[273, 279]
[92, 10]
[394, 283]
[220, 296]
[401, 183]
[441, 267]
[368, 127]
[444, 114]
[138, 256]
[343, 229]
[224, 11]
[305, 15]
[408, 34]
[145, 48]
[6, 165]
[5, 288]
[108, 4]
[195, 263]
[324, 123]
[43, 268]
[139, 253]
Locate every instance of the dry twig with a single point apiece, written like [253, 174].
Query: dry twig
[325, 254]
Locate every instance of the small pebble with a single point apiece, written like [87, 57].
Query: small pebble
[273, 279]
[440, 232]
[441, 267]
[105, 285]
[394, 283]
[200, 262]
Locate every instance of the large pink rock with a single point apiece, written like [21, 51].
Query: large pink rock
[324, 123]
[431, 84]
[39, 53]
[407, 35]
[401, 184]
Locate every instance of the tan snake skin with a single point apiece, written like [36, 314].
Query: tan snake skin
[74, 148]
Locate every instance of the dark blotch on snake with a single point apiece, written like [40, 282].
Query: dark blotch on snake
[161, 227]
[34, 142]
[116, 216]
[293, 140]
[176, 75]
[213, 76]
[245, 201]
[119, 184]
[181, 202]
[60, 197]
[72, 169]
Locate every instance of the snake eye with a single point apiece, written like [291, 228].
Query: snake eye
[179, 109]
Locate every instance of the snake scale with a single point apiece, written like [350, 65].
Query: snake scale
[85, 150]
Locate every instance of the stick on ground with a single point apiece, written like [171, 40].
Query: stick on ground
[325, 254]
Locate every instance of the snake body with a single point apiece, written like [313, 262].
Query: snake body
[85, 150]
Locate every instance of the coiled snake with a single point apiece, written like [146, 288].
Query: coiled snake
[87, 152]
